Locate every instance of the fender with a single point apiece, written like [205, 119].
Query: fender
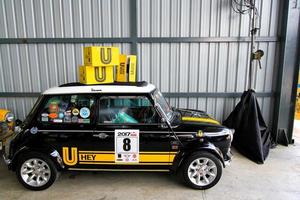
[186, 152]
[50, 152]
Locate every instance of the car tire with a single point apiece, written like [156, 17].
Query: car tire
[35, 171]
[201, 170]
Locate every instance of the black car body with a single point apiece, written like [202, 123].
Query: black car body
[118, 127]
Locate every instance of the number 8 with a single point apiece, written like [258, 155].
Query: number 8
[126, 144]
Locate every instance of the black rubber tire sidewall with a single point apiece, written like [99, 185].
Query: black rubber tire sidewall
[54, 172]
[191, 158]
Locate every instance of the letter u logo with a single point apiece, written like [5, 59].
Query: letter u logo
[105, 57]
[70, 160]
[99, 77]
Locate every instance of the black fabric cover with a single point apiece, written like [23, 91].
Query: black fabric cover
[252, 136]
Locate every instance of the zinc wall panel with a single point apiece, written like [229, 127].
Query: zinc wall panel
[64, 18]
[214, 18]
[36, 67]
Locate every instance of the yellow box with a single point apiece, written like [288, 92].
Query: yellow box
[96, 75]
[101, 56]
[132, 68]
[121, 69]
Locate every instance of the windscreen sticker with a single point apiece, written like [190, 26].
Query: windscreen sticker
[45, 119]
[73, 98]
[75, 111]
[57, 120]
[61, 115]
[67, 119]
[85, 112]
[53, 107]
[74, 119]
[44, 114]
[63, 106]
[86, 121]
[53, 115]
[126, 146]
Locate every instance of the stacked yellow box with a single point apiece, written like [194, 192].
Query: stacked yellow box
[99, 63]
[126, 70]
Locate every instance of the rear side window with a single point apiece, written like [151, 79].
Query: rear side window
[68, 109]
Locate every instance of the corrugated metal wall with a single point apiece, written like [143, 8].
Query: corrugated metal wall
[173, 67]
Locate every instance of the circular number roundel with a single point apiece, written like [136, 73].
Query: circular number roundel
[85, 112]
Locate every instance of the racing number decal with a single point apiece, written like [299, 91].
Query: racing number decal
[127, 146]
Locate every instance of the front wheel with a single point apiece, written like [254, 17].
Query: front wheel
[36, 171]
[202, 170]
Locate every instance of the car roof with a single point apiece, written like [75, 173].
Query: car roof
[79, 88]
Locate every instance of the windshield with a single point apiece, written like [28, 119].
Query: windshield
[159, 99]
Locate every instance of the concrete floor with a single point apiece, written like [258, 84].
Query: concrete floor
[278, 178]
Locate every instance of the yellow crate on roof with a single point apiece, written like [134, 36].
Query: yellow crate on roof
[96, 74]
[132, 68]
[101, 56]
[121, 69]
[126, 70]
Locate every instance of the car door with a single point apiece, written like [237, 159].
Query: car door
[130, 134]
[66, 123]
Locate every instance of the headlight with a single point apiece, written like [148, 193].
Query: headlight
[9, 117]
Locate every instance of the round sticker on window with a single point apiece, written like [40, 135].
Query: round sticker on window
[85, 112]
[75, 111]
[61, 115]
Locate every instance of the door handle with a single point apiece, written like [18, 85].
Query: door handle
[101, 135]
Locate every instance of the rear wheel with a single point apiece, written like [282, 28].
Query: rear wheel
[36, 171]
[202, 170]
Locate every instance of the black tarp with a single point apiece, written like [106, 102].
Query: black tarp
[252, 136]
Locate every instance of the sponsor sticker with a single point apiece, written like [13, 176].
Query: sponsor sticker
[73, 98]
[85, 112]
[86, 121]
[74, 119]
[57, 120]
[44, 114]
[67, 119]
[75, 111]
[126, 145]
[45, 119]
[61, 115]
[68, 113]
[53, 115]
[53, 107]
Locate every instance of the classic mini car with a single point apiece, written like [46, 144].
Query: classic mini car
[116, 127]
[6, 125]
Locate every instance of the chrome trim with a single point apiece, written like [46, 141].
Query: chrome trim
[125, 170]
[220, 133]
[6, 160]
[66, 131]
[227, 163]
[183, 136]
[109, 131]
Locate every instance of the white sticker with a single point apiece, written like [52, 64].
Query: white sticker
[127, 146]
[85, 112]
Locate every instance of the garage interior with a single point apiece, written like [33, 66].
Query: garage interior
[195, 52]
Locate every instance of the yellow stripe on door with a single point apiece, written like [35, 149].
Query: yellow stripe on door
[110, 157]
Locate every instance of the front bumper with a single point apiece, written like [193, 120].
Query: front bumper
[6, 160]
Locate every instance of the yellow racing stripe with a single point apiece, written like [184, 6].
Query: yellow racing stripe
[200, 119]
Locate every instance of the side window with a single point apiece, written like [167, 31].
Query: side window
[126, 109]
[68, 109]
